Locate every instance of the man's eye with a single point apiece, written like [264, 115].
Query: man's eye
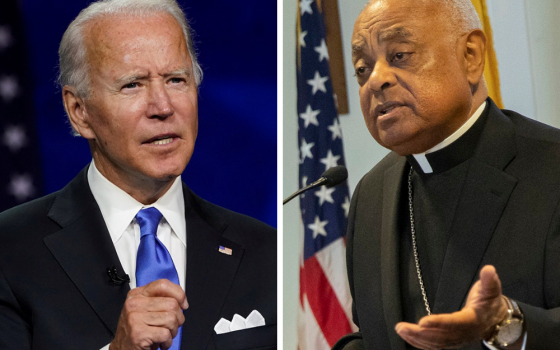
[130, 86]
[176, 80]
[360, 71]
[400, 56]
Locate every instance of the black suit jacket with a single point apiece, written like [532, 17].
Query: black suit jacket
[508, 216]
[55, 291]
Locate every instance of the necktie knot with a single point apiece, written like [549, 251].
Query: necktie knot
[148, 219]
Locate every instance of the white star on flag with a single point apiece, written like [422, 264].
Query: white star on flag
[5, 37]
[302, 38]
[14, 138]
[335, 129]
[8, 88]
[21, 187]
[325, 195]
[322, 51]
[318, 83]
[318, 227]
[330, 160]
[346, 206]
[305, 7]
[310, 116]
[303, 184]
[305, 150]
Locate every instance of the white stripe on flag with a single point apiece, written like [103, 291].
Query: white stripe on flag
[332, 259]
[310, 336]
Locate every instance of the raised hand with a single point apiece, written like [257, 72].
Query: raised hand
[150, 317]
[484, 309]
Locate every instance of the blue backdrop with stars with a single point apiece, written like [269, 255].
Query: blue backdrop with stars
[234, 162]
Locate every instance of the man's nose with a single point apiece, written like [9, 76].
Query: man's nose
[382, 77]
[160, 105]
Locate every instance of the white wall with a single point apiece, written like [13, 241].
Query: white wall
[527, 43]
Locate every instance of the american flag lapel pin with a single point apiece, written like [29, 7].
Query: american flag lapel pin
[225, 250]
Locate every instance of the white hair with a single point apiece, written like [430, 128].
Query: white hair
[72, 51]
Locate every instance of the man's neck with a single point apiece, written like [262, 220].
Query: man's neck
[144, 190]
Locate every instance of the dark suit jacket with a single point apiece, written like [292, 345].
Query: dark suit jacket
[55, 291]
[508, 216]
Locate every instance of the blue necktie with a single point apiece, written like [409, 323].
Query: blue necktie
[153, 261]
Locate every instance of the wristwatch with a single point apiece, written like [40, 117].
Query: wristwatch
[508, 331]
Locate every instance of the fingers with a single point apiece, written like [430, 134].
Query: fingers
[429, 338]
[458, 321]
[163, 288]
[490, 282]
[151, 317]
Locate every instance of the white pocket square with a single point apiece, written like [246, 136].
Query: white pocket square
[255, 319]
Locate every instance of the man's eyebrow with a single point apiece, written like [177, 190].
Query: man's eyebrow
[394, 34]
[183, 71]
[130, 78]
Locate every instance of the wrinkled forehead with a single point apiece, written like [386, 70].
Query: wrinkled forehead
[393, 20]
[113, 36]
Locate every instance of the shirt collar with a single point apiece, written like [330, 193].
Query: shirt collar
[119, 208]
[426, 164]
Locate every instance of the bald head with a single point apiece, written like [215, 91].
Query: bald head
[460, 16]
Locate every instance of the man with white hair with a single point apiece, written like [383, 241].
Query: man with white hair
[126, 256]
[454, 237]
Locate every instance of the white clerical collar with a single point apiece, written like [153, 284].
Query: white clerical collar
[421, 157]
[119, 208]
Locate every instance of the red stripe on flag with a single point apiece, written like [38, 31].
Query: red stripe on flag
[323, 302]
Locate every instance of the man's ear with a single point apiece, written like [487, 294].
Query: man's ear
[77, 113]
[474, 55]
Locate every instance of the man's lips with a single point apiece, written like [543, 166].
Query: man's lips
[161, 139]
[386, 108]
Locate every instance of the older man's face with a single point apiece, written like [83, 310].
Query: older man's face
[142, 112]
[413, 88]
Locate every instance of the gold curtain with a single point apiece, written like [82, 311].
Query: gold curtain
[491, 73]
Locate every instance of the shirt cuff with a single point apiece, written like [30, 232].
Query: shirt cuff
[490, 346]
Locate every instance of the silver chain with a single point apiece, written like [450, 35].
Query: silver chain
[414, 248]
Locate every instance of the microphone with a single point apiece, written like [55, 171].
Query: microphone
[332, 177]
[114, 278]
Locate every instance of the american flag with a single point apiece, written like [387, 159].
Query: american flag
[20, 165]
[325, 302]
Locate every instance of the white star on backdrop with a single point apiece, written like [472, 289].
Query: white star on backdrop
[318, 227]
[305, 7]
[318, 83]
[8, 88]
[302, 38]
[346, 206]
[5, 37]
[336, 130]
[21, 187]
[325, 195]
[322, 51]
[305, 150]
[310, 116]
[330, 160]
[14, 138]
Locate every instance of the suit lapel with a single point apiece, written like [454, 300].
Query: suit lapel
[390, 284]
[484, 196]
[210, 273]
[84, 249]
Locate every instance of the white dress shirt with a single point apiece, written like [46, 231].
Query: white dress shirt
[119, 210]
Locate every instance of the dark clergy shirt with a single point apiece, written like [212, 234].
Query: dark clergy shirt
[435, 197]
